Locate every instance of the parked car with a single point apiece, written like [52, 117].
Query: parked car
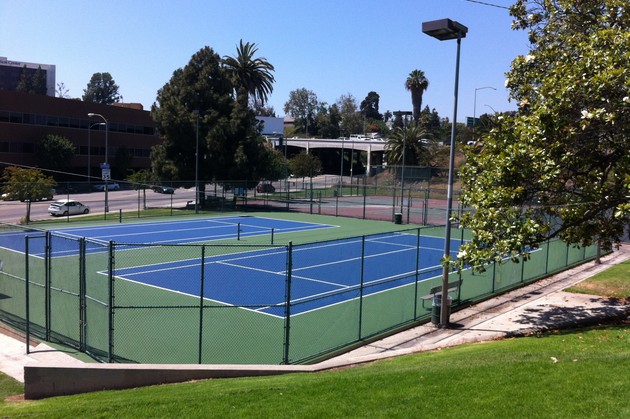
[163, 189]
[67, 207]
[11, 197]
[265, 188]
[110, 186]
[65, 190]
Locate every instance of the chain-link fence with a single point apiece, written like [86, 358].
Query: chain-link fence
[415, 195]
[148, 303]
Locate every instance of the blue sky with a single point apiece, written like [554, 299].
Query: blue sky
[332, 47]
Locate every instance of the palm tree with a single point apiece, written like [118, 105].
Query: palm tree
[406, 141]
[250, 76]
[416, 83]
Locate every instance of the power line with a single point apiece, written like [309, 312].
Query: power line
[488, 4]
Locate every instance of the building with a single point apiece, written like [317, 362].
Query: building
[11, 73]
[27, 118]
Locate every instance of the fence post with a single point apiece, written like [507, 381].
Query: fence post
[287, 307]
[415, 289]
[408, 203]
[310, 195]
[47, 286]
[361, 288]
[522, 269]
[494, 275]
[110, 291]
[394, 204]
[364, 195]
[288, 186]
[201, 292]
[26, 293]
[425, 210]
[547, 257]
[319, 202]
[82, 299]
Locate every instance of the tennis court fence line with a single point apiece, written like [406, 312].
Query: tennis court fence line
[235, 304]
[414, 201]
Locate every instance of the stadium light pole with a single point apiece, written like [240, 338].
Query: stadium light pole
[444, 30]
[475, 109]
[91, 115]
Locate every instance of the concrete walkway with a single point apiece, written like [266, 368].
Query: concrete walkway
[537, 307]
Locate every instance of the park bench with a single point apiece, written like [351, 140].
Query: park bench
[437, 290]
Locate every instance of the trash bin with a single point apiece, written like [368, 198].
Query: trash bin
[397, 218]
[437, 308]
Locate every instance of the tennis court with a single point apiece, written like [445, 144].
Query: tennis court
[195, 231]
[321, 274]
[278, 288]
[324, 273]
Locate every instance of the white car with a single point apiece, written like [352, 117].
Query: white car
[67, 207]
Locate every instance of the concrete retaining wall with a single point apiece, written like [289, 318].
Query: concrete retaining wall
[46, 381]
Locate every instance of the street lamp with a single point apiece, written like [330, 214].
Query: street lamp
[475, 109]
[443, 30]
[89, 161]
[106, 172]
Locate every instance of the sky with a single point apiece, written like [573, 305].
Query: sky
[331, 47]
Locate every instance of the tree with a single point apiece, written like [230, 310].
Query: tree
[351, 120]
[405, 141]
[327, 121]
[305, 164]
[276, 168]
[260, 109]
[26, 81]
[250, 76]
[55, 152]
[560, 167]
[38, 85]
[33, 83]
[101, 89]
[62, 91]
[417, 84]
[197, 102]
[369, 106]
[301, 105]
[122, 161]
[141, 181]
[27, 185]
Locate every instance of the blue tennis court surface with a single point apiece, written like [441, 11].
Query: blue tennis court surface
[322, 274]
[169, 232]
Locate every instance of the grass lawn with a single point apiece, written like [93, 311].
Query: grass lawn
[559, 375]
[567, 374]
[613, 282]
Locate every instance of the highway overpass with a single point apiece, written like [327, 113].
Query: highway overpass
[370, 146]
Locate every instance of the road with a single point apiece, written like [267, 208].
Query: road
[126, 200]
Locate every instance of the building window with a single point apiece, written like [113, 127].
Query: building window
[16, 117]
